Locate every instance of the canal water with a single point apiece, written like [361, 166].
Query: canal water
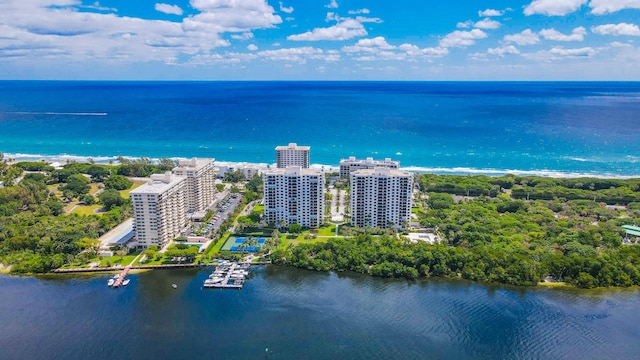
[298, 314]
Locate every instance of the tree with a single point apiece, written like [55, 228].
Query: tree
[111, 198]
[77, 184]
[117, 182]
[89, 244]
[233, 176]
[98, 173]
[440, 201]
[295, 228]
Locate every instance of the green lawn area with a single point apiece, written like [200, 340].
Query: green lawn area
[214, 249]
[258, 209]
[327, 231]
[126, 260]
[87, 209]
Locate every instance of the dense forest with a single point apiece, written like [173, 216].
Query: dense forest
[35, 233]
[496, 237]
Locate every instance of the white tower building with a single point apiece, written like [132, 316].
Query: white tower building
[381, 197]
[292, 155]
[294, 196]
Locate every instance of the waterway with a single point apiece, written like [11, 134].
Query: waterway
[298, 314]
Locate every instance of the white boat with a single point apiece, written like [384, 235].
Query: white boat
[216, 279]
[174, 286]
[126, 282]
[111, 282]
[115, 277]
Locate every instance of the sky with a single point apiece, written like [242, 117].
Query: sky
[320, 40]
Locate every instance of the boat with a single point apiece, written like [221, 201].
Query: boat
[126, 282]
[111, 282]
[115, 277]
[174, 286]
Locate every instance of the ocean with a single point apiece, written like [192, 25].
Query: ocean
[298, 314]
[545, 128]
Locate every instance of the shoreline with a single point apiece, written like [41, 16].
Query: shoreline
[104, 160]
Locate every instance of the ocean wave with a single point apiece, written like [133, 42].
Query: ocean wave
[63, 158]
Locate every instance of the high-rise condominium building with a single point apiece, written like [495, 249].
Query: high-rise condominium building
[294, 196]
[292, 155]
[201, 176]
[347, 166]
[159, 209]
[381, 197]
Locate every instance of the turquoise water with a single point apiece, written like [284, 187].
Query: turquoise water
[307, 315]
[545, 128]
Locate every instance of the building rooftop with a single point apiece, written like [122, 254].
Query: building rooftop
[632, 230]
[293, 146]
[369, 160]
[158, 184]
[194, 163]
[292, 170]
[381, 171]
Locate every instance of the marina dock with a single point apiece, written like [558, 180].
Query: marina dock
[123, 274]
[228, 275]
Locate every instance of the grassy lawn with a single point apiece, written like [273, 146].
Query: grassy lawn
[214, 249]
[126, 260]
[258, 209]
[327, 231]
[87, 209]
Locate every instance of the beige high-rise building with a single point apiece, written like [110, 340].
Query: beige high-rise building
[294, 196]
[292, 155]
[381, 197]
[201, 176]
[347, 166]
[159, 209]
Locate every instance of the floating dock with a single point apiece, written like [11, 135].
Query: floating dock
[228, 276]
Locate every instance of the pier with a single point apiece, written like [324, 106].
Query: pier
[228, 276]
[123, 274]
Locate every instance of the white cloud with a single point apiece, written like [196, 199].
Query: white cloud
[462, 38]
[369, 45]
[464, 25]
[332, 5]
[487, 24]
[252, 47]
[490, 12]
[553, 7]
[617, 29]
[526, 37]
[298, 55]
[602, 7]
[169, 9]
[428, 54]
[581, 52]
[243, 36]
[96, 6]
[344, 30]
[285, 9]
[501, 51]
[576, 35]
[558, 53]
[60, 31]
[359, 11]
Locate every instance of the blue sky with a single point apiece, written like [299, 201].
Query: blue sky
[320, 40]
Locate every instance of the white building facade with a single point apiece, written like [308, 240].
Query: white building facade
[381, 197]
[294, 196]
[159, 209]
[201, 176]
[351, 164]
[292, 155]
